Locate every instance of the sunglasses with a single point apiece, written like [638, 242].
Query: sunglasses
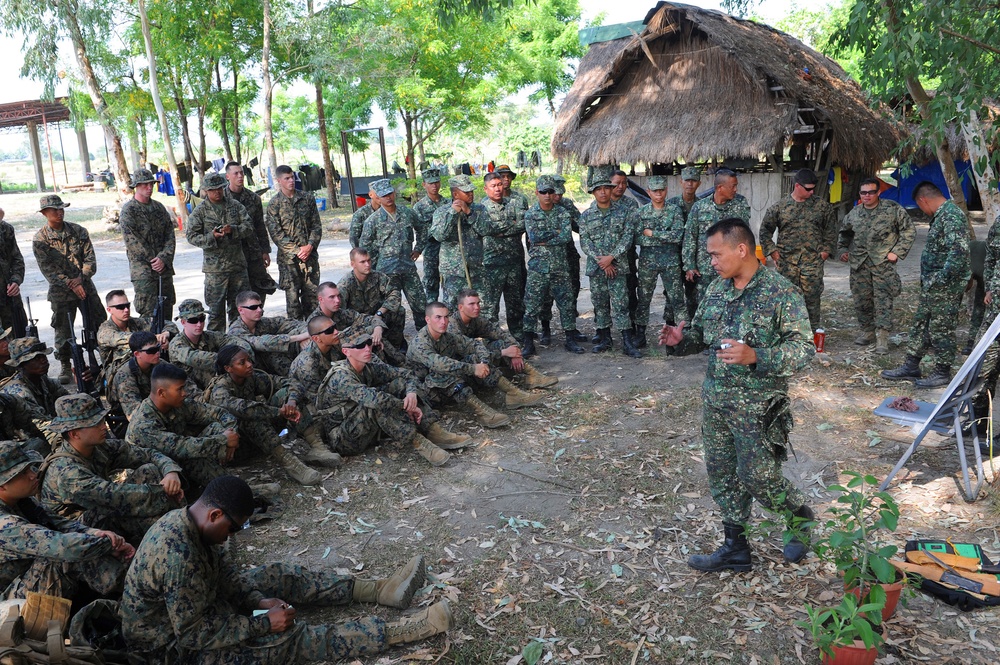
[329, 331]
[869, 192]
[196, 320]
[252, 308]
[361, 346]
[152, 351]
[234, 526]
[808, 189]
[124, 305]
[546, 191]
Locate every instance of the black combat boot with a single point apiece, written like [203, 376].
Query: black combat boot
[598, 336]
[528, 345]
[909, 370]
[941, 376]
[628, 345]
[796, 550]
[546, 337]
[571, 344]
[639, 337]
[578, 336]
[603, 342]
[734, 554]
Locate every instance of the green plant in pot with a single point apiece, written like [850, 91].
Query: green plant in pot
[847, 633]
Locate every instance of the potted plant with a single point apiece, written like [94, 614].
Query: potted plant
[847, 634]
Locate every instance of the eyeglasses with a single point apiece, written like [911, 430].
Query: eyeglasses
[329, 331]
[196, 320]
[361, 346]
[152, 351]
[252, 308]
[124, 305]
[808, 189]
[234, 526]
[546, 191]
[868, 192]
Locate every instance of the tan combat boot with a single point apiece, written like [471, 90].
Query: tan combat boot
[435, 619]
[396, 591]
[433, 454]
[66, 374]
[319, 453]
[515, 397]
[442, 438]
[865, 338]
[881, 342]
[536, 379]
[295, 469]
[486, 416]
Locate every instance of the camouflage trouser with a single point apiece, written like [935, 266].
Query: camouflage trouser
[132, 526]
[873, 289]
[416, 297]
[6, 314]
[538, 293]
[934, 323]
[432, 278]
[807, 275]
[220, 296]
[453, 283]
[632, 285]
[197, 467]
[700, 287]
[146, 293]
[361, 427]
[610, 298]
[442, 389]
[978, 306]
[104, 574]
[60, 324]
[261, 281]
[990, 369]
[506, 281]
[745, 444]
[653, 266]
[573, 259]
[396, 322]
[300, 282]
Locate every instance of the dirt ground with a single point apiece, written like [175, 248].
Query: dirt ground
[567, 533]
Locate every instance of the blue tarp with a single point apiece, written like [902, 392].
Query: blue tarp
[903, 193]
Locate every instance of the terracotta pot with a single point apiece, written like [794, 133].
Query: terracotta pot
[852, 655]
[892, 592]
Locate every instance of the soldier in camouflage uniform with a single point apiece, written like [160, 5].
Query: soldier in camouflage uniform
[65, 257]
[311, 366]
[343, 318]
[724, 203]
[131, 383]
[573, 263]
[272, 331]
[660, 234]
[256, 248]
[690, 181]
[807, 228]
[503, 255]
[873, 237]
[424, 210]
[113, 335]
[606, 232]
[394, 239]
[148, 230]
[186, 601]
[371, 292]
[507, 177]
[17, 423]
[990, 369]
[5, 369]
[549, 230]
[756, 322]
[361, 399]
[77, 480]
[33, 385]
[294, 224]
[218, 225]
[11, 271]
[45, 553]
[619, 185]
[360, 215]
[456, 228]
[944, 272]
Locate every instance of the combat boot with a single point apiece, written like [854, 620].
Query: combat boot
[865, 338]
[514, 397]
[294, 467]
[796, 550]
[881, 342]
[432, 621]
[941, 376]
[442, 438]
[577, 335]
[546, 337]
[436, 455]
[604, 342]
[639, 337]
[598, 336]
[734, 554]
[536, 379]
[628, 345]
[319, 453]
[571, 343]
[528, 345]
[396, 591]
[486, 416]
[66, 374]
[910, 369]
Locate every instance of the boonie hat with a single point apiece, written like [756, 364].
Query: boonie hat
[13, 460]
[51, 201]
[461, 182]
[503, 168]
[213, 181]
[24, 349]
[77, 411]
[190, 308]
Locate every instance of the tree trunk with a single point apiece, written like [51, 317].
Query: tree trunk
[978, 154]
[324, 143]
[236, 116]
[272, 158]
[202, 157]
[143, 139]
[411, 171]
[223, 117]
[185, 131]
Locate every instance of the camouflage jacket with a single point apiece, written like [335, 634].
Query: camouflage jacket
[425, 209]
[148, 230]
[680, 203]
[40, 399]
[805, 229]
[627, 201]
[11, 261]
[390, 241]
[520, 201]
[255, 211]
[198, 360]
[222, 255]
[446, 355]
[292, 223]
[16, 415]
[113, 342]
[483, 329]
[358, 223]
[344, 389]
[549, 232]
[74, 484]
[129, 387]
[271, 335]
[502, 229]
[703, 214]
[667, 225]
[310, 368]
[167, 432]
[252, 400]
[607, 232]
[945, 262]
[574, 212]
[62, 256]
[444, 229]
[180, 588]
[869, 235]
[371, 295]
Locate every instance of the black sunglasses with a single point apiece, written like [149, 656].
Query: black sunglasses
[124, 305]
[152, 351]
[196, 320]
[868, 192]
[252, 308]
[234, 526]
[808, 189]
[362, 345]
[546, 191]
[329, 331]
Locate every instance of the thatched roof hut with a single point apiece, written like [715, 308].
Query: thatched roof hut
[697, 84]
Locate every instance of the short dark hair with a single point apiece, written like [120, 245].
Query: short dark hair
[243, 297]
[114, 293]
[437, 304]
[735, 230]
[492, 175]
[225, 356]
[619, 172]
[229, 494]
[358, 251]
[467, 292]
[166, 373]
[318, 324]
[231, 164]
[805, 177]
[870, 181]
[283, 169]
[722, 175]
[927, 190]
[140, 339]
[323, 286]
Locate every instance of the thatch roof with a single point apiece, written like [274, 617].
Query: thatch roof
[697, 84]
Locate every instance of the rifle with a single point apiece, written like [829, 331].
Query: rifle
[31, 329]
[156, 320]
[84, 385]
[90, 338]
[19, 320]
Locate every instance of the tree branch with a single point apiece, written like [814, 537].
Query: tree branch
[975, 42]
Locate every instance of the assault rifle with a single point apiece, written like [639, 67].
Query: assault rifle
[84, 375]
[23, 324]
[157, 322]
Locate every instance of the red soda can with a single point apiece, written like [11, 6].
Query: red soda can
[819, 339]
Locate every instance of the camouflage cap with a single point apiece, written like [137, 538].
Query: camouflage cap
[691, 173]
[431, 175]
[14, 459]
[190, 308]
[76, 412]
[382, 187]
[353, 337]
[462, 182]
[213, 181]
[545, 183]
[560, 183]
[656, 182]
[24, 349]
[51, 201]
[141, 177]
[4, 334]
[503, 168]
[599, 176]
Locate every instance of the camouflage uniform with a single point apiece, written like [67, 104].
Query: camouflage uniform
[254, 247]
[255, 405]
[294, 222]
[389, 242]
[690, 288]
[990, 369]
[704, 213]
[632, 256]
[272, 332]
[198, 360]
[572, 256]
[868, 236]
[549, 234]
[310, 368]
[113, 343]
[747, 413]
[129, 387]
[187, 602]
[489, 334]
[503, 261]
[358, 223]
[376, 293]
[148, 230]
[191, 435]
[446, 366]
[11, 270]
[17, 421]
[454, 259]
[519, 200]
[224, 265]
[660, 258]
[805, 229]
[608, 232]
[39, 397]
[424, 210]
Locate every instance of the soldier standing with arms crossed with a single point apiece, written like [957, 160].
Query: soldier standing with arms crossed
[425, 209]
